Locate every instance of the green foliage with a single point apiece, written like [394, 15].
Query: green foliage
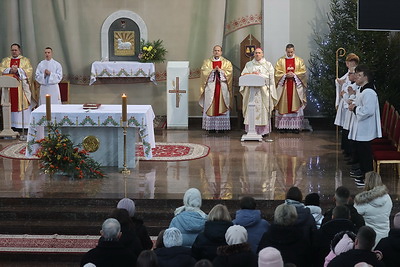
[58, 154]
[377, 49]
[152, 51]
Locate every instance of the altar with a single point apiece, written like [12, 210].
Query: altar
[104, 124]
[121, 69]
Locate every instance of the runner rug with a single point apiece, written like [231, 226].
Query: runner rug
[49, 243]
[162, 152]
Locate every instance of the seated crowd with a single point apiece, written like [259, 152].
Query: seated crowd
[300, 234]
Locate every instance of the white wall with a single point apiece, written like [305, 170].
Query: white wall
[292, 21]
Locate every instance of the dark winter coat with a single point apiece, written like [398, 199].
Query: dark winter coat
[290, 242]
[175, 257]
[354, 256]
[390, 248]
[206, 244]
[110, 253]
[254, 224]
[239, 255]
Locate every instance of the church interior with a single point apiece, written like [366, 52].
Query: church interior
[33, 202]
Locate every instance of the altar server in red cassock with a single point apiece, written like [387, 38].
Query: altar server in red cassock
[291, 82]
[216, 91]
[20, 67]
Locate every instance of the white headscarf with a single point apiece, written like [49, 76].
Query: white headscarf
[191, 202]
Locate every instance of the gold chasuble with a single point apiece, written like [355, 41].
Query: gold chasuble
[216, 86]
[25, 76]
[291, 91]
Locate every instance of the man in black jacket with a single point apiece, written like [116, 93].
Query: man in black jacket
[342, 198]
[109, 251]
[362, 251]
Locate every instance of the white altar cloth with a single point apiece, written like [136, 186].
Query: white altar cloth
[117, 69]
[139, 116]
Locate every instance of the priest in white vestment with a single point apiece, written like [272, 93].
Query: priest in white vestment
[265, 98]
[48, 75]
[21, 98]
[216, 91]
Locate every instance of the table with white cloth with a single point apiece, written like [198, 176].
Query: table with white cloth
[105, 123]
[122, 69]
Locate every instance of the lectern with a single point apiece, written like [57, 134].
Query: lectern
[254, 82]
[7, 82]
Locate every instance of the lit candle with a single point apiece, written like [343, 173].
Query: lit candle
[48, 108]
[124, 108]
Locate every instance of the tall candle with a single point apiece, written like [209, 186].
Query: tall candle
[124, 108]
[48, 108]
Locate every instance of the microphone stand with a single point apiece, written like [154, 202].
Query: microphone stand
[269, 106]
[22, 137]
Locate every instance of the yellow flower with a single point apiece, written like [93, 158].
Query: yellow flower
[145, 48]
[150, 47]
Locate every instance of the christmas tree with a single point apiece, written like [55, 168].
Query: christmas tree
[377, 49]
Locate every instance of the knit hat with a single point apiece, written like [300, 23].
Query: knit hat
[312, 199]
[270, 257]
[89, 265]
[396, 221]
[345, 244]
[236, 234]
[127, 204]
[192, 198]
[172, 237]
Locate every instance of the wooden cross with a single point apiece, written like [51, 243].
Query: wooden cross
[250, 38]
[176, 91]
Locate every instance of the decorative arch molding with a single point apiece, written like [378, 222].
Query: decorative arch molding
[110, 19]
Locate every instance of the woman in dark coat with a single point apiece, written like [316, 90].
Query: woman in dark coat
[206, 243]
[173, 254]
[138, 224]
[287, 237]
[238, 252]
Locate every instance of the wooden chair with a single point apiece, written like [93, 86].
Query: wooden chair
[388, 128]
[392, 156]
[393, 137]
[384, 116]
[64, 91]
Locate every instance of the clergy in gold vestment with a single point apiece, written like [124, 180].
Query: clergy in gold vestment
[265, 98]
[20, 97]
[216, 91]
[291, 81]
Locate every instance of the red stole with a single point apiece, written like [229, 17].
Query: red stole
[14, 91]
[290, 66]
[217, 92]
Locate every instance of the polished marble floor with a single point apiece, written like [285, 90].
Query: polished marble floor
[311, 160]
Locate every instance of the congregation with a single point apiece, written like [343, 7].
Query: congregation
[354, 231]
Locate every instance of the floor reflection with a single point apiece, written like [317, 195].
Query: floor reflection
[265, 170]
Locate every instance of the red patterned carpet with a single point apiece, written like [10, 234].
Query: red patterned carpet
[48, 243]
[162, 151]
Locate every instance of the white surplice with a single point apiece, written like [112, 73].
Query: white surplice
[49, 83]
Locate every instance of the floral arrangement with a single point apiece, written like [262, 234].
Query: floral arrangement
[152, 51]
[58, 154]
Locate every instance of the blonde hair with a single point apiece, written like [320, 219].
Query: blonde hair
[285, 215]
[219, 213]
[353, 57]
[372, 179]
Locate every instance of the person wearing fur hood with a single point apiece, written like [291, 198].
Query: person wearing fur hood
[375, 205]
[238, 252]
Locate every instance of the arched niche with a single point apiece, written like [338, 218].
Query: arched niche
[126, 21]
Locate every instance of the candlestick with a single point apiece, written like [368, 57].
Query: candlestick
[48, 107]
[124, 108]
